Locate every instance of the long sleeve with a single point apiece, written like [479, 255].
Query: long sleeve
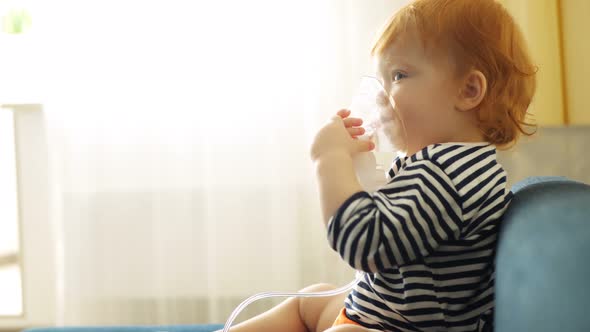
[402, 222]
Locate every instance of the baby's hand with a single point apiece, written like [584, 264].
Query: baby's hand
[338, 137]
[352, 125]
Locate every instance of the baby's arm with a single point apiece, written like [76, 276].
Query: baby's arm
[337, 182]
[332, 151]
[407, 219]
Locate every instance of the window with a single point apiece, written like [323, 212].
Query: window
[11, 303]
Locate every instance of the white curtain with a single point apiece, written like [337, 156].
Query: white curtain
[178, 138]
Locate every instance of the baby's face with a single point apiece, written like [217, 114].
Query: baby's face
[422, 92]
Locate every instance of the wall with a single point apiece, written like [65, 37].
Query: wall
[555, 151]
[576, 50]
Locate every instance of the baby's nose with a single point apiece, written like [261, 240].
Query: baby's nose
[382, 100]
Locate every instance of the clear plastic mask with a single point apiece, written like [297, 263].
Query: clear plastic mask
[373, 104]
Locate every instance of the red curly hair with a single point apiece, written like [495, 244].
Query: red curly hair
[481, 35]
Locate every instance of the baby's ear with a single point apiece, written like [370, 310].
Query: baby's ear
[472, 90]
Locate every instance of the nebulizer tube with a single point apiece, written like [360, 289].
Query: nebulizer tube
[236, 312]
[366, 104]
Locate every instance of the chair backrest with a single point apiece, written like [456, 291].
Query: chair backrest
[543, 258]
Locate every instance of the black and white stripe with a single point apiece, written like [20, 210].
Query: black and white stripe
[427, 241]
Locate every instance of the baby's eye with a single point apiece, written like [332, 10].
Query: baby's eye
[396, 76]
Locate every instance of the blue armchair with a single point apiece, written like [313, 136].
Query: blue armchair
[543, 263]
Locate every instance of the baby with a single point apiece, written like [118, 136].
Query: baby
[459, 82]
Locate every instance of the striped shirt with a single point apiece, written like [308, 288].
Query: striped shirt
[426, 240]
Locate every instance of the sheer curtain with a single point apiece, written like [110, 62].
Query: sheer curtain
[178, 141]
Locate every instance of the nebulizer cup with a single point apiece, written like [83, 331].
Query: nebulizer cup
[370, 103]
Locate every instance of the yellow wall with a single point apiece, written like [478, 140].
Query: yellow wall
[576, 47]
[538, 20]
[558, 35]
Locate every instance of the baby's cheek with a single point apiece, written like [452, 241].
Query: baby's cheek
[410, 103]
[405, 108]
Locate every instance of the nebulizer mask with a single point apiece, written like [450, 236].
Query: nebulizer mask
[383, 126]
[370, 103]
